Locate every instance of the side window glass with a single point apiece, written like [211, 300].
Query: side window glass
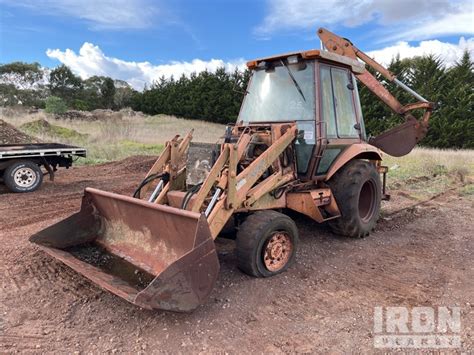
[327, 102]
[345, 113]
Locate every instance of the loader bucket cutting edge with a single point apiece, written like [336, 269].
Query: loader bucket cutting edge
[152, 255]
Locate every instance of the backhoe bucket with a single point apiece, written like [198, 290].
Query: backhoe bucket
[400, 140]
[152, 255]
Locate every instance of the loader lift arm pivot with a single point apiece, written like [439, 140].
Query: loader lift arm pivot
[401, 139]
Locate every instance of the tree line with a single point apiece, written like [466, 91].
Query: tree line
[30, 85]
[217, 96]
[214, 97]
[450, 88]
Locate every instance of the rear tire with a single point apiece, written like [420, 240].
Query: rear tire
[23, 176]
[358, 193]
[266, 243]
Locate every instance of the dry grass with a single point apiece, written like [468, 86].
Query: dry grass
[420, 172]
[426, 172]
[114, 139]
[429, 161]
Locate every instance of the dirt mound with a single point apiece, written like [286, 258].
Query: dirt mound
[138, 164]
[10, 135]
[95, 115]
[73, 115]
[45, 128]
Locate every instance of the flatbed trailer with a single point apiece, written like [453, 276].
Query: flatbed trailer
[21, 164]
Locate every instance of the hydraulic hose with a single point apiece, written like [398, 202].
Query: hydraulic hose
[149, 179]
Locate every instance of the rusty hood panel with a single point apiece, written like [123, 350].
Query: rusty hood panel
[169, 250]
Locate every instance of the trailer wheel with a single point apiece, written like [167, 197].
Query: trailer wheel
[23, 176]
[358, 193]
[266, 243]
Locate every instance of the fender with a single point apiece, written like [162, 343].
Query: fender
[359, 151]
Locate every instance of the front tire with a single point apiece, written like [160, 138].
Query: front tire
[266, 243]
[23, 176]
[358, 193]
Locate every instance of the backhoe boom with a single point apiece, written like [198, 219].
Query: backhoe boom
[401, 139]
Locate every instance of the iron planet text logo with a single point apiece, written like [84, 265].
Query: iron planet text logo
[417, 327]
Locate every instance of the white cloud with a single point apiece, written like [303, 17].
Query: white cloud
[404, 19]
[450, 53]
[92, 61]
[450, 24]
[100, 14]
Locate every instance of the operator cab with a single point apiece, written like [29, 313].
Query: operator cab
[317, 90]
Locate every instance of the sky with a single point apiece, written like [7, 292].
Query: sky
[141, 40]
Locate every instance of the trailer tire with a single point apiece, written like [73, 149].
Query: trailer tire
[266, 243]
[358, 193]
[23, 176]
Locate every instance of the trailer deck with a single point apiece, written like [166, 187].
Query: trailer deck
[10, 151]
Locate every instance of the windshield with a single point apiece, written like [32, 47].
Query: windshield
[280, 94]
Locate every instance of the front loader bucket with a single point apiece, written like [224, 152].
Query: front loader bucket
[152, 255]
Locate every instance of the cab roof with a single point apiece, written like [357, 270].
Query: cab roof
[356, 66]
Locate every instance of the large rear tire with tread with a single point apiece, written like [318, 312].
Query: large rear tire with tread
[358, 193]
[266, 243]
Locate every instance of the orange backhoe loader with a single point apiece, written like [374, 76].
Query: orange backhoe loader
[299, 144]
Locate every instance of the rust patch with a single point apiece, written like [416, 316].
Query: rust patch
[141, 248]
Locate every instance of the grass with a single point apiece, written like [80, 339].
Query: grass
[42, 128]
[422, 172]
[98, 153]
[425, 172]
[113, 138]
[430, 162]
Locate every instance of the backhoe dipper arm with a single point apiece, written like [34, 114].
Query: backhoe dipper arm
[401, 139]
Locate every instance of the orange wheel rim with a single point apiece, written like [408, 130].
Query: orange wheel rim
[277, 251]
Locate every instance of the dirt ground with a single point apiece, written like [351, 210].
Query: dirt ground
[420, 256]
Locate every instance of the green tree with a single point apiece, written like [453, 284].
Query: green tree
[64, 84]
[107, 92]
[55, 105]
[214, 97]
[8, 95]
[124, 94]
[453, 125]
[22, 84]
[23, 75]
[99, 92]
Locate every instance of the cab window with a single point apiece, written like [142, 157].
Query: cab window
[337, 102]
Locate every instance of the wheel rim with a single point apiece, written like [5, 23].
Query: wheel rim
[277, 251]
[25, 177]
[367, 201]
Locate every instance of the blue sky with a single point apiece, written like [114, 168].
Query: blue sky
[139, 40]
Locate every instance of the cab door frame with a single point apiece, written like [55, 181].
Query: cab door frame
[325, 144]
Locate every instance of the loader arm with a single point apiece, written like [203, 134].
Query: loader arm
[400, 140]
[226, 188]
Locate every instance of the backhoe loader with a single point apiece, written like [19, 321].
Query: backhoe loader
[299, 144]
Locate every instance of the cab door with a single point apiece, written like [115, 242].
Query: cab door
[338, 114]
